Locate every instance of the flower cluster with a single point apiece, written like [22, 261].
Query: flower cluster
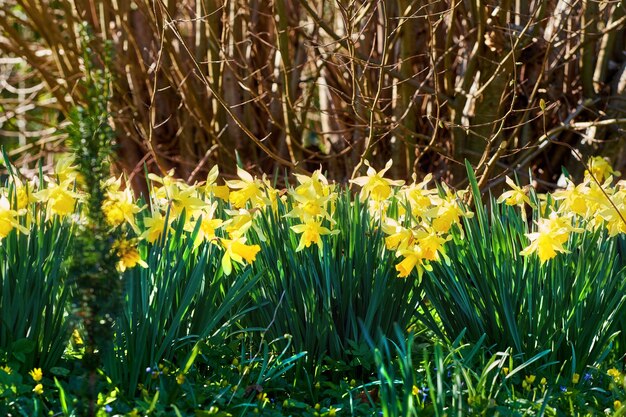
[417, 220]
[594, 203]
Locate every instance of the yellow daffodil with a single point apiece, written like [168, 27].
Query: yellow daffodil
[517, 196]
[240, 222]
[314, 186]
[128, 254]
[398, 236]
[446, 213]
[550, 237]
[119, 206]
[413, 259]
[374, 184]
[431, 244]
[64, 170]
[417, 196]
[8, 219]
[600, 168]
[574, 198]
[154, 227]
[310, 207]
[60, 199]
[211, 189]
[312, 232]
[236, 250]
[24, 194]
[208, 225]
[248, 189]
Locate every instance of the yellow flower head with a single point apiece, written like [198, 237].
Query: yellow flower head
[575, 198]
[446, 213]
[413, 259]
[208, 225]
[128, 254]
[517, 196]
[600, 168]
[119, 206]
[38, 389]
[374, 184]
[36, 374]
[60, 199]
[237, 250]
[154, 227]
[248, 189]
[312, 232]
[550, 238]
[418, 196]
[211, 189]
[8, 219]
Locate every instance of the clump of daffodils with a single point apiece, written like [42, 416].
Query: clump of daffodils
[594, 203]
[418, 219]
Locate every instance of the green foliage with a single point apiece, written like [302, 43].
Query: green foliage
[33, 289]
[93, 262]
[569, 305]
[324, 298]
[180, 299]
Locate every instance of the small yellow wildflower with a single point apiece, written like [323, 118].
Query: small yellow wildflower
[415, 391]
[36, 374]
[119, 206]
[38, 389]
[418, 196]
[180, 379]
[154, 227]
[60, 199]
[7, 369]
[575, 378]
[617, 404]
[615, 373]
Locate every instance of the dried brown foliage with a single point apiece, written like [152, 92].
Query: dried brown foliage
[291, 84]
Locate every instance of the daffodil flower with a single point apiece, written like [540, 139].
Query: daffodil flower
[247, 189]
[8, 219]
[517, 196]
[312, 232]
[374, 184]
[154, 226]
[214, 190]
[550, 238]
[236, 250]
[128, 254]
